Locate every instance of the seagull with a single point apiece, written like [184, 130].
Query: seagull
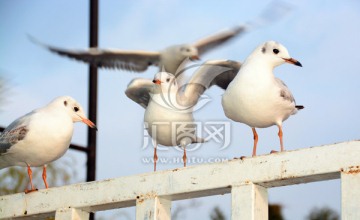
[169, 108]
[170, 58]
[255, 97]
[41, 136]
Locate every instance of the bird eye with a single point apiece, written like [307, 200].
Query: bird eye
[185, 49]
[276, 51]
[76, 109]
[168, 80]
[65, 103]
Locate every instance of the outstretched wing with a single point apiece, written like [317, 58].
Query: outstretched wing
[132, 60]
[205, 44]
[272, 13]
[14, 133]
[138, 90]
[214, 72]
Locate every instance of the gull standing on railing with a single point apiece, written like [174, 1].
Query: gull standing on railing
[255, 97]
[165, 103]
[41, 136]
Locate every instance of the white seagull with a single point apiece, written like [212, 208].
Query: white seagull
[41, 136]
[169, 109]
[170, 58]
[255, 97]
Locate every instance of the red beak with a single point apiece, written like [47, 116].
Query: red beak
[89, 123]
[156, 81]
[196, 57]
[292, 61]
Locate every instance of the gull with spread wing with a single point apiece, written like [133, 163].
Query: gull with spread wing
[165, 103]
[172, 58]
[169, 59]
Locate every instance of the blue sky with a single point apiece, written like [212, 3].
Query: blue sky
[322, 35]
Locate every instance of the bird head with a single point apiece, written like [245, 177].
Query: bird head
[166, 81]
[188, 51]
[276, 54]
[73, 108]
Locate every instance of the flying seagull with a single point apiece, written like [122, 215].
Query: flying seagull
[169, 59]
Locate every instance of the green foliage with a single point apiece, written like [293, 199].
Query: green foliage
[15, 179]
[217, 214]
[275, 212]
[324, 213]
[179, 211]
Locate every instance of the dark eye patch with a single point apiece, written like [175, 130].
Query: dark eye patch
[276, 51]
[76, 109]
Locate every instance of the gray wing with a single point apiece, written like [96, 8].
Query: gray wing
[132, 60]
[210, 42]
[285, 93]
[14, 133]
[224, 79]
[139, 90]
[214, 72]
[272, 13]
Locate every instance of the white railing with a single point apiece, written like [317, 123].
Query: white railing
[247, 180]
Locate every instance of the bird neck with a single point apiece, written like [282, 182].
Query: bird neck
[257, 68]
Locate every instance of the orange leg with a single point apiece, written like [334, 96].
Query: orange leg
[184, 157]
[155, 156]
[30, 177]
[281, 138]
[44, 177]
[255, 141]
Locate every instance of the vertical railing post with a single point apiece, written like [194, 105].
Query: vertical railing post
[350, 194]
[249, 202]
[155, 208]
[71, 214]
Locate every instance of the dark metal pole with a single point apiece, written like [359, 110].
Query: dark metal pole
[93, 80]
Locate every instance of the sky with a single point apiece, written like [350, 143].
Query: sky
[322, 35]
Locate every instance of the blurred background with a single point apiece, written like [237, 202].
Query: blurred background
[322, 35]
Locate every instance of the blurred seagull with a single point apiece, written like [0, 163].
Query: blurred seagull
[255, 97]
[170, 58]
[165, 103]
[41, 136]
